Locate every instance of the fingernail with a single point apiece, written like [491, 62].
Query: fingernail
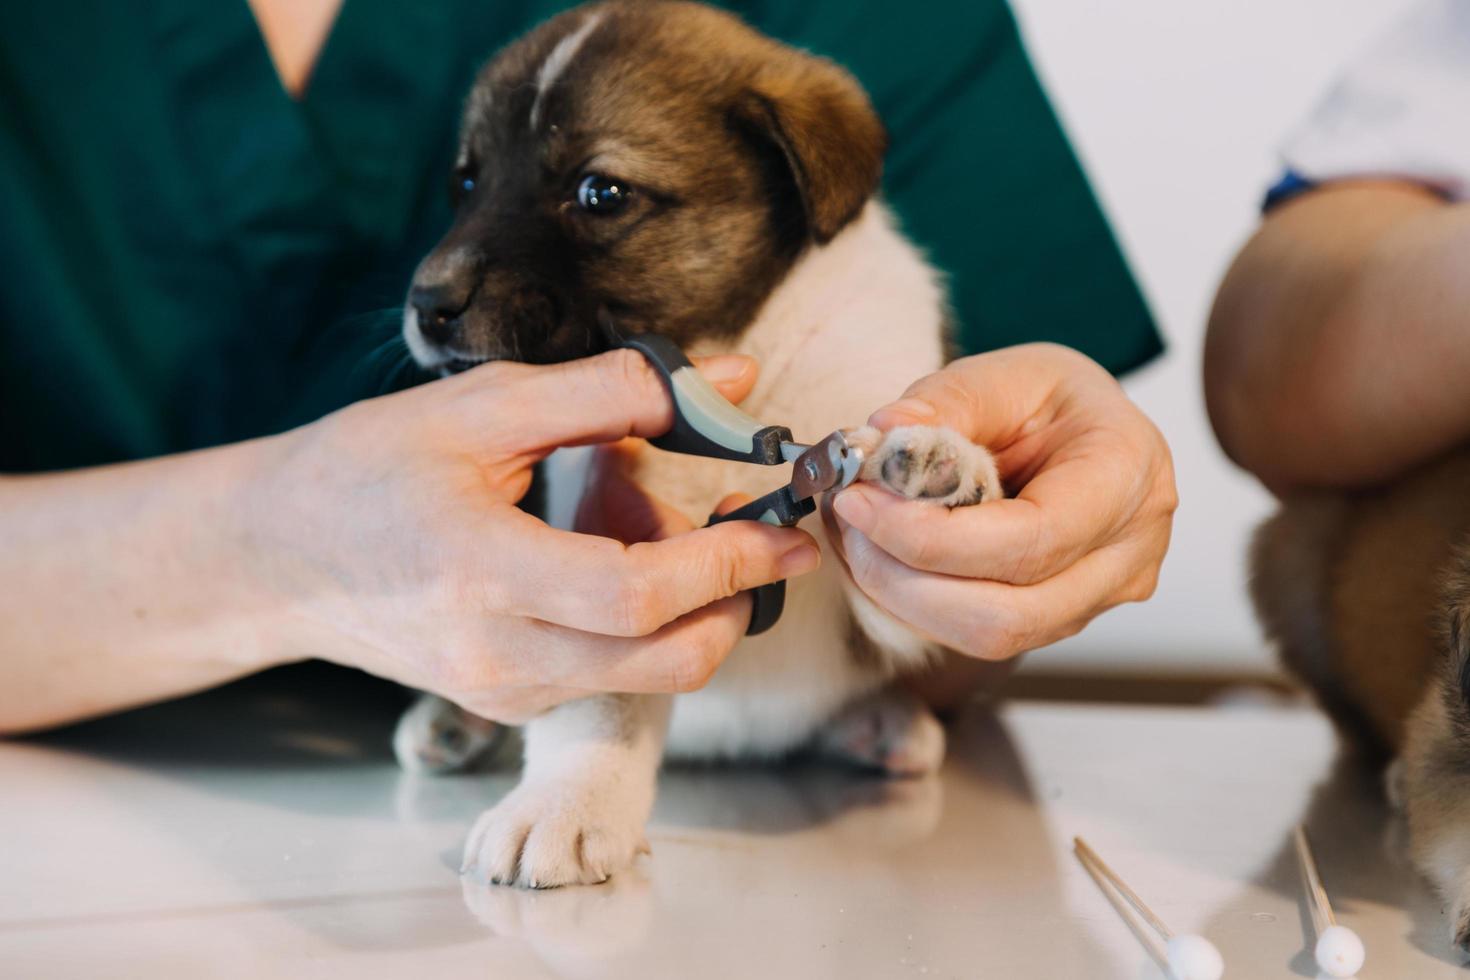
[901, 411]
[800, 560]
[724, 368]
[853, 507]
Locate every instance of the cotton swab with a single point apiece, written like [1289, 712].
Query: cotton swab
[1186, 957]
[1339, 951]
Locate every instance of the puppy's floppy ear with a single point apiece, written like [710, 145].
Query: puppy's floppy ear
[820, 119]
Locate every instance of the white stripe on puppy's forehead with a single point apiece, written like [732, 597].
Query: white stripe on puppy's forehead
[561, 56]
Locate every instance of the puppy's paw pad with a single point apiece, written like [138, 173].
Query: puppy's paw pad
[435, 736]
[929, 463]
[896, 734]
[547, 836]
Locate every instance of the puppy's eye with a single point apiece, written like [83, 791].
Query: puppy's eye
[598, 194]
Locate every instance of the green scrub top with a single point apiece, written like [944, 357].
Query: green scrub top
[189, 257]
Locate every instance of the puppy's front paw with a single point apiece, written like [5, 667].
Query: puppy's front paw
[928, 463]
[556, 832]
[435, 736]
[891, 730]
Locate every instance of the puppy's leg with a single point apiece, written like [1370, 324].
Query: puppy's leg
[585, 794]
[929, 463]
[436, 736]
[1433, 771]
[890, 730]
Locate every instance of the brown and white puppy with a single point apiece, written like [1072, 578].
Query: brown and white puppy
[1368, 598]
[666, 163]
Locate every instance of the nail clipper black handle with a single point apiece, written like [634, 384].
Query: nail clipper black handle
[777, 508]
[783, 510]
[707, 424]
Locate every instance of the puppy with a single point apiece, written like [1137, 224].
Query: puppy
[1368, 598]
[664, 162]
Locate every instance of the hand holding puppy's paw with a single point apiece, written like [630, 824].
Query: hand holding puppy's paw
[931, 463]
[557, 832]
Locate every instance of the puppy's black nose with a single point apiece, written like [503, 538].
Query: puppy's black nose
[439, 309]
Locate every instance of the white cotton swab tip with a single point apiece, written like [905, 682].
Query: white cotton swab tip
[1339, 952]
[1192, 957]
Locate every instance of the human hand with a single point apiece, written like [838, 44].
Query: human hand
[1086, 531]
[388, 532]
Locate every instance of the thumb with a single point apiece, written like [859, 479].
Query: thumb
[691, 570]
[573, 580]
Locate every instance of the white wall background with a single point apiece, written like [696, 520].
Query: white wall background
[1176, 107]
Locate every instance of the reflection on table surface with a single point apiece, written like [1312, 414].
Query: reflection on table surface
[265, 831]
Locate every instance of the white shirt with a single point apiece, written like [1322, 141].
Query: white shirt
[1401, 110]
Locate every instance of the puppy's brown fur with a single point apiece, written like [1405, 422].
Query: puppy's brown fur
[1368, 598]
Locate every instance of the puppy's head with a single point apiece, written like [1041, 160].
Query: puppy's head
[661, 161]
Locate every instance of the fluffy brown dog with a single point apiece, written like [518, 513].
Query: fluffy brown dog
[1368, 598]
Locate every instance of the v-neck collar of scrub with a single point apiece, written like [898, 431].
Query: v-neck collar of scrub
[338, 160]
[284, 45]
[379, 109]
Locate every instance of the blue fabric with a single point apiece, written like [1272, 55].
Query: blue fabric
[1289, 186]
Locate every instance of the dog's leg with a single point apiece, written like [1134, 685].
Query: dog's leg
[1433, 769]
[891, 730]
[578, 814]
[1435, 786]
[436, 736]
[928, 463]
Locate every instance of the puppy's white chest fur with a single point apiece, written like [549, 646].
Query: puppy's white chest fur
[853, 324]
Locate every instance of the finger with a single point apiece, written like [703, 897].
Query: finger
[1083, 497]
[831, 524]
[533, 409]
[602, 586]
[994, 398]
[992, 620]
[681, 656]
[733, 375]
[733, 501]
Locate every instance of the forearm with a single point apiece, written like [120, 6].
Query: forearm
[126, 584]
[1336, 353]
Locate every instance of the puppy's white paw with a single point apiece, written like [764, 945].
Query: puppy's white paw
[557, 832]
[892, 730]
[435, 736]
[928, 463]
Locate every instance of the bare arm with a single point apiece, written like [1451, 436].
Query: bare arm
[118, 588]
[1339, 346]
